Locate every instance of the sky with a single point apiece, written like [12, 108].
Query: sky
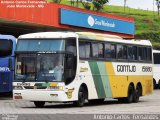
[138, 4]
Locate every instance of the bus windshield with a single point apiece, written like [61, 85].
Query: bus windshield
[40, 45]
[40, 67]
[5, 48]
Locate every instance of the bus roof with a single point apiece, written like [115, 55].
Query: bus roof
[85, 35]
[48, 35]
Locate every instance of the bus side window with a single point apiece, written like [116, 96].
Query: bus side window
[107, 50]
[149, 54]
[134, 52]
[113, 51]
[145, 53]
[140, 53]
[84, 49]
[119, 51]
[124, 52]
[130, 52]
[110, 50]
[156, 58]
[97, 50]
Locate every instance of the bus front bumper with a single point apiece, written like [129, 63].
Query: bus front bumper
[33, 95]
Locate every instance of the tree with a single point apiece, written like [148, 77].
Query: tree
[86, 5]
[77, 3]
[158, 5]
[98, 4]
[72, 2]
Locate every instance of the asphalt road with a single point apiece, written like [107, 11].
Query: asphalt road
[147, 105]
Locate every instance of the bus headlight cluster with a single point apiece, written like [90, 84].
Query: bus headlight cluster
[17, 88]
[55, 87]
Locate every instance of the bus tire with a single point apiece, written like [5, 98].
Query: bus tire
[154, 84]
[137, 93]
[39, 104]
[81, 98]
[130, 96]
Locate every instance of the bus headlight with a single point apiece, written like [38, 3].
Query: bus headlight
[17, 88]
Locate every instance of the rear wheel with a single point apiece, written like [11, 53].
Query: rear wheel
[39, 104]
[137, 94]
[81, 98]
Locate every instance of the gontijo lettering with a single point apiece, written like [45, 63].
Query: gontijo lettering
[126, 68]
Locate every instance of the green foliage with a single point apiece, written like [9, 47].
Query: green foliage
[98, 4]
[86, 5]
[154, 37]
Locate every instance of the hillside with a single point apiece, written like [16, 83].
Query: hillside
[147, 23]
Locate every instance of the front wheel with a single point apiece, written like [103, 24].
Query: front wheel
[39, 104]
[81, 98]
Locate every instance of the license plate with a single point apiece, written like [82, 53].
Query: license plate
[18, 97]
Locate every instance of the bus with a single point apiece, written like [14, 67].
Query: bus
[7, 48]
[81, 67]
[156, 69]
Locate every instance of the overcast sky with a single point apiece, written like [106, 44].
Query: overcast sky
[138, 4]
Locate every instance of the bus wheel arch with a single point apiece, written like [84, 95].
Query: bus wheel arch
[82, 95]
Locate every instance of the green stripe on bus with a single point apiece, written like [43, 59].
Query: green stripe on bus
[97, 79]
[105, 79]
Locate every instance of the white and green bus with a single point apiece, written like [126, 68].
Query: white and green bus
[81, 66]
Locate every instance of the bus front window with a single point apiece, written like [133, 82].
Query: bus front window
[26, 67]
[40, 67]
[50, 67]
